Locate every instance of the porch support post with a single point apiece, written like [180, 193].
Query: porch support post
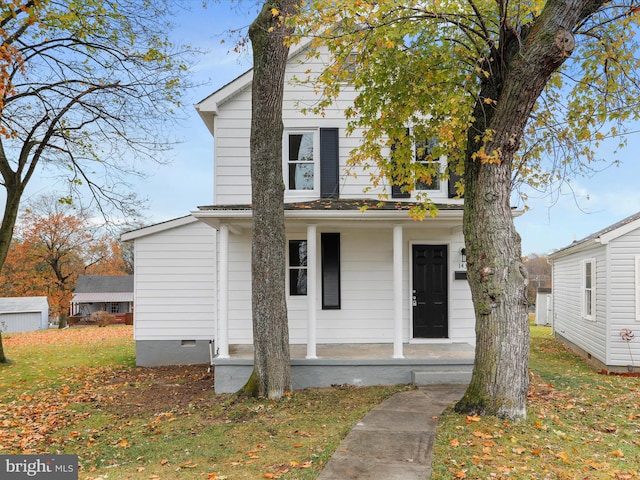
[223, 294]
[311, 291]
[397, 292]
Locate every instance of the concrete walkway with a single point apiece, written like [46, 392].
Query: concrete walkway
[394, 441]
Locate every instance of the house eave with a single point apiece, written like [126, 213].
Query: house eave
[156, 228]
[208, 107]
[578, 247]
[216, 218]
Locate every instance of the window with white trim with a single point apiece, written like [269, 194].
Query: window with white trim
[301, 162]
[297, 267]
[115, 308]
[423, 154]
[589, 289]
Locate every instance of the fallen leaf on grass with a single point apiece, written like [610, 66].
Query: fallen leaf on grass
[473, 418]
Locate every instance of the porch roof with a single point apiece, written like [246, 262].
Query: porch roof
[97, 297]
[334, 210]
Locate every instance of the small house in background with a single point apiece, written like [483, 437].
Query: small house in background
[23, 314]
[596, 296]
[112, 294]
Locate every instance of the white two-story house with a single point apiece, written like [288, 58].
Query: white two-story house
[373, 295]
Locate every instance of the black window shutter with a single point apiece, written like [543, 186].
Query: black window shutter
[329, 163]
[397, 190]
[330, 245]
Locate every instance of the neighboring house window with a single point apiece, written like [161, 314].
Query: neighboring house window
[637, 288]
[330, 244]
[589, 289]
[422, 154]
[297, 267]
[301, 161]
[115, 308]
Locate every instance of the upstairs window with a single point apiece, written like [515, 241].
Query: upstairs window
[297, 267]
[300, 171]
[423, 155]
[430, 179]
[589, 289]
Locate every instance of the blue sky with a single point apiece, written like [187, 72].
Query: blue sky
[176, 189]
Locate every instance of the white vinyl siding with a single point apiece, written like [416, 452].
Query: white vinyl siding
[624, 252]
[366, 278]
[175, 284]
[233, 128]
[569, 321]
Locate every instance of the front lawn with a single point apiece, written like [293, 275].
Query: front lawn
[77, 391]
[580, 425]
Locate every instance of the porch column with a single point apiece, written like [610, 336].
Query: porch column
[397, 291]
[311, 291]
[223, 293]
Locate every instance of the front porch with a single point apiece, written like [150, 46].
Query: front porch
[356, 364]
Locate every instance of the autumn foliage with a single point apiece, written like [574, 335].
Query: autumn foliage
[50, 250]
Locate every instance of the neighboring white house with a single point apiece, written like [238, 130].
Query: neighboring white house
[23, 314]
[596, 295]
[355, 278]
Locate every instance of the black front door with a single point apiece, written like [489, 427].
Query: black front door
[430, 315]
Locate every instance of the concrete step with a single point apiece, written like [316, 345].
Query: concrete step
[440, 377]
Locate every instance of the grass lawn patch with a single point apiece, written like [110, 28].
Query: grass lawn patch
[580, 425]
[77, 391]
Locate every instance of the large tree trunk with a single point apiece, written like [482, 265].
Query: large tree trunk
[272, 369]
[14, 189]
[3, 359]
[497, 277]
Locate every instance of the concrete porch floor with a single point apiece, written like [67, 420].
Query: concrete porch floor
[356, 364]
[370, 351]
